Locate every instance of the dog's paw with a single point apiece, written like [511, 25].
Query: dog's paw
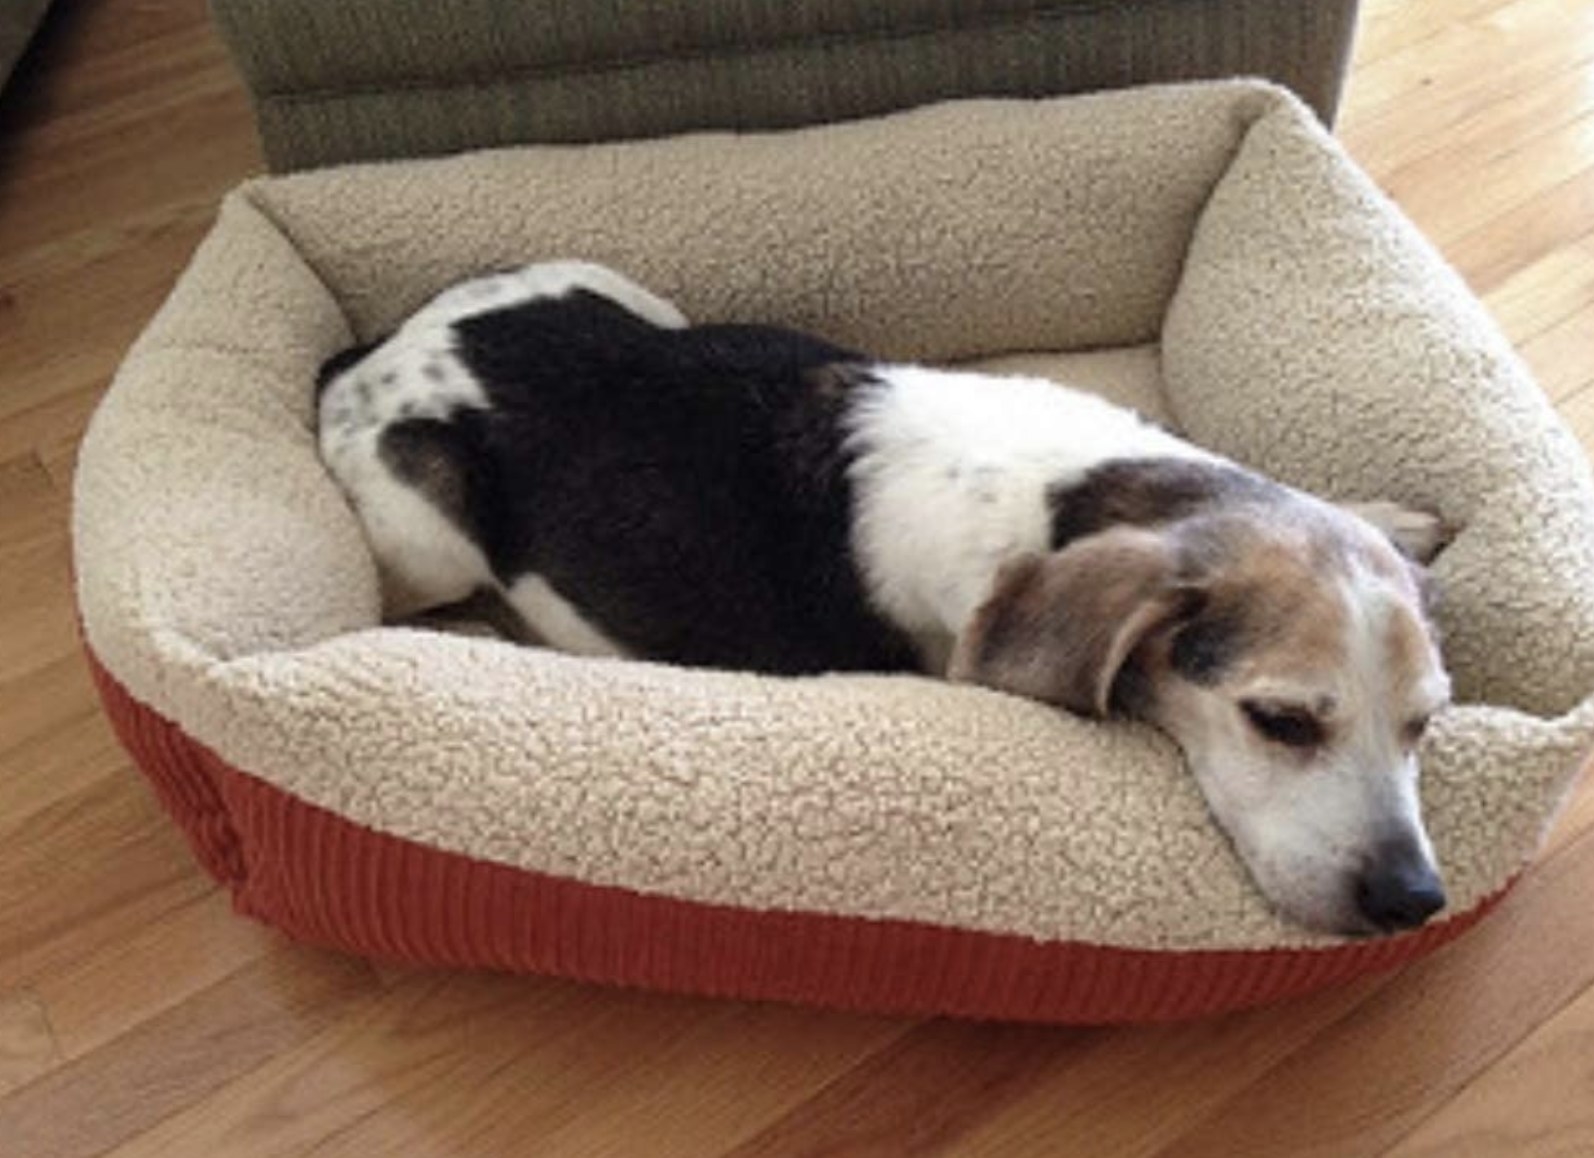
[1418, 534]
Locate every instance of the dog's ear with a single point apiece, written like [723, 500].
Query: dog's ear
[1416, 534]
[1060, 627]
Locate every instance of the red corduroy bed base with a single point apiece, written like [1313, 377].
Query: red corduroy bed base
[323, 879]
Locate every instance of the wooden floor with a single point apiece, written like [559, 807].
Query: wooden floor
[138, 1016]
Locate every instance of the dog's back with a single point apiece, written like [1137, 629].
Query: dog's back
[688, 482]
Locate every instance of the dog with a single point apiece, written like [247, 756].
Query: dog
[752, 497]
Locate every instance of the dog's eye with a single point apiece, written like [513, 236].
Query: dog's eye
[1292, 727]
[1414, 729]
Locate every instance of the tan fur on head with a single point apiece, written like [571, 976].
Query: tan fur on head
[1284, 648]
[1060, 627]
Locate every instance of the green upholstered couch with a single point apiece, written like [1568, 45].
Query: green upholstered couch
[343, 80]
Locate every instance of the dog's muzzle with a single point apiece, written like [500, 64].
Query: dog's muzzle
[1400, 888]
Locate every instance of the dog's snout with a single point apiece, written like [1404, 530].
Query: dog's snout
[1399, 890]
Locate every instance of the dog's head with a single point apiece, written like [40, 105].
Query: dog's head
[1287, 652]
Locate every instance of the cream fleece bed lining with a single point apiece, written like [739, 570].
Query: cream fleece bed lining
[1210, 234]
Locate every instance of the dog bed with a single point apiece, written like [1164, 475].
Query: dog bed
[890, 843]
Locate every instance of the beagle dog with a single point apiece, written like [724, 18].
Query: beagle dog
[751, 497]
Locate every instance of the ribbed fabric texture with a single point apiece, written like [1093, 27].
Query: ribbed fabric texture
[325, 880]
[368, 79]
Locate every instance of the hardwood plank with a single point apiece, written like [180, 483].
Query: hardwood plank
[1576, 818]
[42, 701]
[89, 1105]
[1462, 63]
[160, 85]
[59, 460]
[1495, 184]
[495, 1061]
[32, 508]
[400, 1047]
[689, 1091]
[1510, 242]
[110, 990]
[88, 871]
[27, 1047]
[1097, 1103]
[69, 49]
[1391, 26]
[1546, 293]
[1562, 355]
[205, 162]
[1538, 1100]
[923, 1094]
[1446, 137]
[60, 761]
[1578, 414]
[165, 95]
[111, 281]
[1423, 1037]
[37, 608]
[35, 573]
[44, 430]
[38, 616]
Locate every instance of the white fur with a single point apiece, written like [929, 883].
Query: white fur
[425, 559]
[547, 279]
[556, 620]
[950, 480]
[1308, 832]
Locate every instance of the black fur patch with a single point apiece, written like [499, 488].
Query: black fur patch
[1134, 693]
[1204, 648]
[1148, 492]
[438, 458]
[339, 362]
[686, 489]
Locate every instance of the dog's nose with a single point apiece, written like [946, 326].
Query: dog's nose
[1400, 890]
